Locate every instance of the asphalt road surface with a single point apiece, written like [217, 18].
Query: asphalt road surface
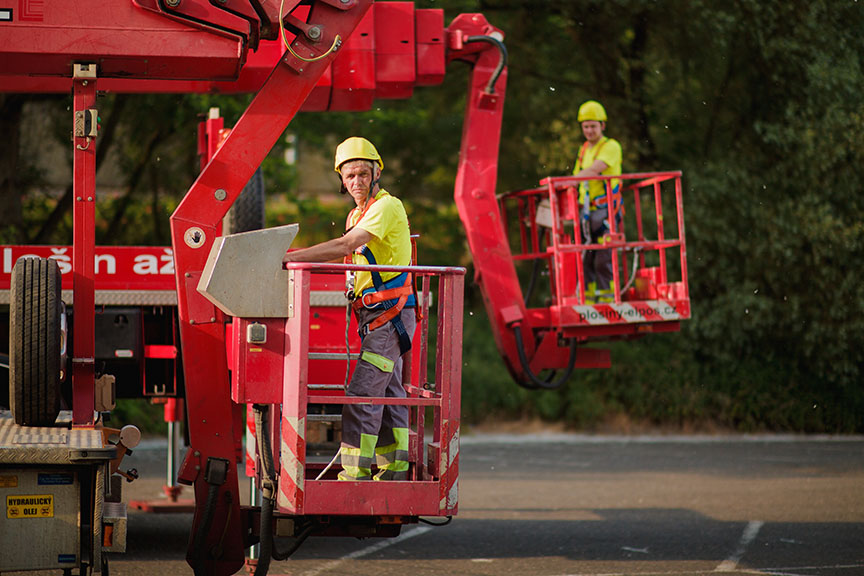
[556, 505]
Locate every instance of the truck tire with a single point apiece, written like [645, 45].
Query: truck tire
[35, 309]
[247, 213]
[4, 381]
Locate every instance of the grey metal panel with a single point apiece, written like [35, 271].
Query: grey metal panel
[119, 297]
[326, 387]
[327, 298]
[41, 543]
[98, 508]
[420, 300]
[331, 356]
[49, 445]
[40, 438]
[324, 417]
[114, 514]
[136, 297]
[244, 277]
[323, 298]
[336, 299]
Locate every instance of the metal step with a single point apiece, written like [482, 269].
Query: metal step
[323, 417]
[325, 387]
[331, 356]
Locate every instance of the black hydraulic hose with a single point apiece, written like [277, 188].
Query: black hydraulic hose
[268, 547]
[204, 529]
[535, 272]
[532, 283]
[261, 421]
[268, 497]
[285, 554]
[444, 522]
[532, 378]
[265, 550]
[502, 62]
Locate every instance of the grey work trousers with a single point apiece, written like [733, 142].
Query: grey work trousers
[597, 264]
[370, 380]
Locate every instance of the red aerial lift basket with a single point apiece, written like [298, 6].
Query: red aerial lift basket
[277, 372]
[648, 255]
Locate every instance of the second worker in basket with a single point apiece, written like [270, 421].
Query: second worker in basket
[376, 232]
[599, 156]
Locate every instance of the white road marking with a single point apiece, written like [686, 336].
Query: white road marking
[760, 572]
[579, 439]
[750, 533]
[369, 550]
[785, 571]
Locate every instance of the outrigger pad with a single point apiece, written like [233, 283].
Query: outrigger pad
[244, 277]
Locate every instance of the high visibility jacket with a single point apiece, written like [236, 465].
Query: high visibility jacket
[384, 217]
[594, 191]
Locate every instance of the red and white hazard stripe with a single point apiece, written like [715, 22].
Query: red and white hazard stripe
[628, 313]
[251, 441]
[449, 466]
[293, 470]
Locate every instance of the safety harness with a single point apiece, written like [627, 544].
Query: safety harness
[600, 201]
[390, 296]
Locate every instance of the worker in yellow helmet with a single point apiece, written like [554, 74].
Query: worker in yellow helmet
[376, 233]
[599, 156]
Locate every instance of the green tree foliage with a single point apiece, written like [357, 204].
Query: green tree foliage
[760, 104]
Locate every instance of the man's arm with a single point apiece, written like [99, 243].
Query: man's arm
[595, 169]
[331, 250]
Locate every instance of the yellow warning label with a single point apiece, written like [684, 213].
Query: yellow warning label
[8, 481]
[30, 506]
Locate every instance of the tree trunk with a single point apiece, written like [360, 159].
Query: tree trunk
[636, 55]
[11, 214]
[103, 146]
[134, 178]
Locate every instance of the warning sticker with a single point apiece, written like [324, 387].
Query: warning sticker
[30, 506]
[8, 481]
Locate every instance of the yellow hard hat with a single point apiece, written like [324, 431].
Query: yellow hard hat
[592, 110]
[356, 148]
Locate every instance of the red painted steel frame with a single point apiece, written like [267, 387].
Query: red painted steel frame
[84, 216]
[395, 46]
[194, 225]
[44, 38]
[475, 186]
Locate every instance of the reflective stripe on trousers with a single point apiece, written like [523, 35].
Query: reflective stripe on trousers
[594, 295]
[357, 462]
[392, 459]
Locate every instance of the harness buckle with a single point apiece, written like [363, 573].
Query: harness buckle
[363, 301]
[349, 286]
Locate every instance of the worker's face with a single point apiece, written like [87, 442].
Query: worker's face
[357, 176]
[593, 130]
